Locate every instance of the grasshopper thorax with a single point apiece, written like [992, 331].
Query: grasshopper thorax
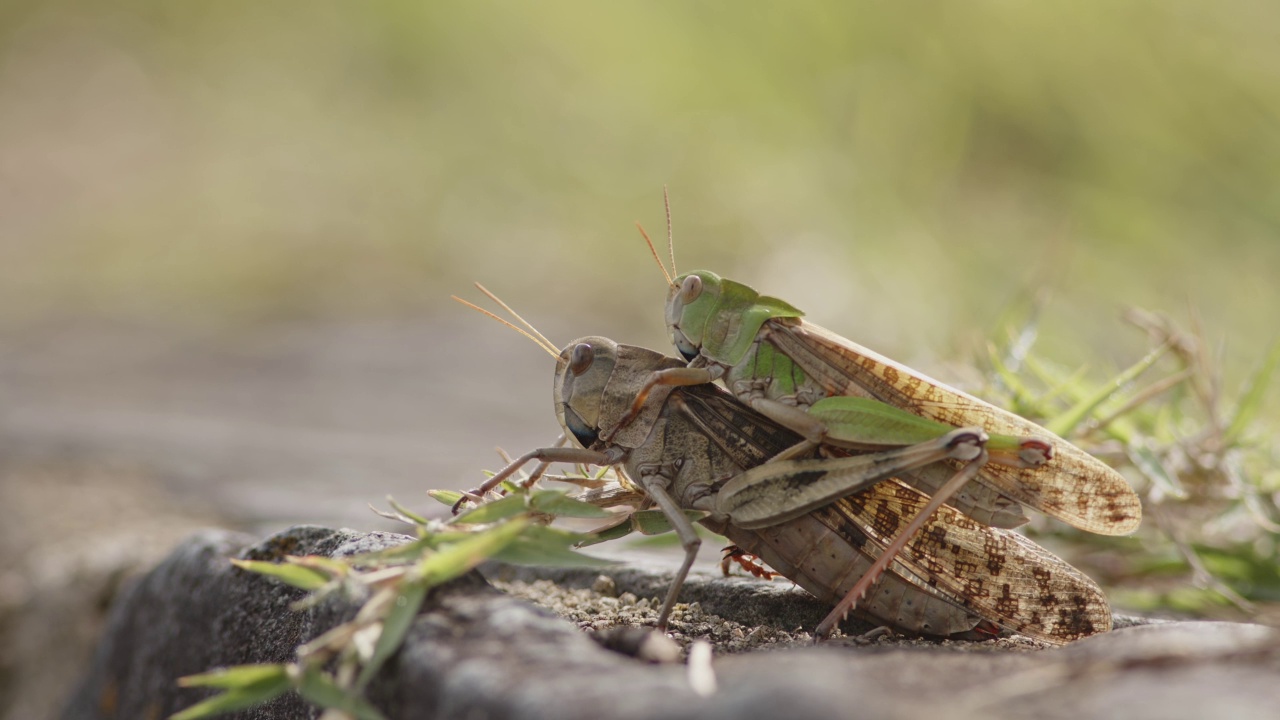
[717, 318]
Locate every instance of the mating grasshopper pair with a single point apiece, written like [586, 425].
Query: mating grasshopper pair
[806, 467]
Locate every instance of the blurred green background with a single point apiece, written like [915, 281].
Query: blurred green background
[901, 171]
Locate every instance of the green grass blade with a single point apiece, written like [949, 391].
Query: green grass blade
[1146, 461]
[455, 559]
[394, 627]
[248, 685]
[300, 577]
[319, 689]
[541, 545]
[555, 502]
[320, 563]
[1064, 423]
[446, 497]
[502, 509]
[607, 533]
[1022, 398]
[655, 522]
[395, 505]
[1255, 391]
[234, 677]
[391, 555]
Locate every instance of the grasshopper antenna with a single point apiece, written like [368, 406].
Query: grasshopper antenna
[656, 258]
[671, 245]
[654, 250]
[540, 341]
[516, 315]
[671, 242]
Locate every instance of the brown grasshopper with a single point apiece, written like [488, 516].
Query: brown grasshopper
[698, 448]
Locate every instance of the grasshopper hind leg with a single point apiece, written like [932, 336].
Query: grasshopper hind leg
[882, 563]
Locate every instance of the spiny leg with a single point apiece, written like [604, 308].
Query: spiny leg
[544, 456]
[677, 377]
[882, 563]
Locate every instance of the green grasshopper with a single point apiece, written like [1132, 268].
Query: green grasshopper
[834, 392]
[697, 448]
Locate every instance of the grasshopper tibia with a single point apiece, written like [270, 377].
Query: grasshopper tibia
[545, 456]
[882, 563]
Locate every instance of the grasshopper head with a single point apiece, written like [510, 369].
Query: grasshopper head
[582, 372]
[718, 318]
[599, 392]
[691, 306]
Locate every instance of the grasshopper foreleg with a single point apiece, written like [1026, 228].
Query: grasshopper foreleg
[546, 456]
[677, 377]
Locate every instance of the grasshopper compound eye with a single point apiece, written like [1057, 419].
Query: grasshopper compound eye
[581, 359]
[690, 289]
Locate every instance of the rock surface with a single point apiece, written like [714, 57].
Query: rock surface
[73, 530]
[477, 653]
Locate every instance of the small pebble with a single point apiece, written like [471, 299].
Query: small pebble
[605, 585]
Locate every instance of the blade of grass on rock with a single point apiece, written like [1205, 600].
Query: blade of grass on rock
[446, 497]
[394, 627]
[300, 577]
[248, 685]
[509, 506]
[554, 502]
[318, 688]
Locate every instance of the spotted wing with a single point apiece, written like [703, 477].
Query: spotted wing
[1073, 486]
[997, 574]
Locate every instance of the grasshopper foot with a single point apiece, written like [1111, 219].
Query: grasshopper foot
[749, 562]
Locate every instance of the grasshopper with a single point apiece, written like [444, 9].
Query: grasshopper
[697, 448]
[831, 391]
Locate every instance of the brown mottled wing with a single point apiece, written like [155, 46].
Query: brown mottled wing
[995, 573]
[750, 439]
[1074, 486]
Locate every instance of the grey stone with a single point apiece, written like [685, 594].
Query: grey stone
[475, 653]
